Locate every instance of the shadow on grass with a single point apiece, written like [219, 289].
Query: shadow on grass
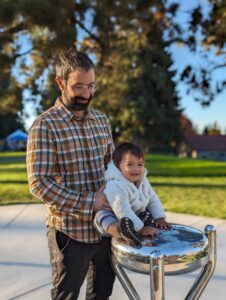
[175, 159]
[13, 160]
[4, 202]
[14, 181]
[184, 174]
[14, 170]
[183, 185]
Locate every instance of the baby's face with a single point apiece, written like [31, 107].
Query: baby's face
[132, 167]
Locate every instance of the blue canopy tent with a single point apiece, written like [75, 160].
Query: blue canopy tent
[16, 140]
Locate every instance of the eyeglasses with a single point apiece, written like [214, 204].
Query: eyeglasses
[81, 86]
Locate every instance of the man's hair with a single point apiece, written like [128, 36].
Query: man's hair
[70, 60]
[125, 148]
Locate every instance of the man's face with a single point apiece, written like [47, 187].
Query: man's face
[79, 89]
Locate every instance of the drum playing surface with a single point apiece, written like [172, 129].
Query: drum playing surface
[184, 248]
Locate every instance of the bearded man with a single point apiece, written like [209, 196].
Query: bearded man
[69, 146]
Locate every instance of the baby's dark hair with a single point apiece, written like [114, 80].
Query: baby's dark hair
[124, 148]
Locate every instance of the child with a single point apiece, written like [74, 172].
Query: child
[135, 205]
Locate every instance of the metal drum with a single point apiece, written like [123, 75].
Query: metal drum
[179, 250]
[185, 249]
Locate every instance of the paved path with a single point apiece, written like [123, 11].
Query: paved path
[25, 273]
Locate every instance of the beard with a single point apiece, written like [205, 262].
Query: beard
[74, 103]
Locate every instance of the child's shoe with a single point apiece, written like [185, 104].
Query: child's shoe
[146, 218]
[129, 233]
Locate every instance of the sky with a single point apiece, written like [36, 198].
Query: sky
[202, 117]
[198, 115]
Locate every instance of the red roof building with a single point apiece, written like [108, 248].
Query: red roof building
[205, 146]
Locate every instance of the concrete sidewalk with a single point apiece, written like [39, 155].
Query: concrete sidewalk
[24, 259]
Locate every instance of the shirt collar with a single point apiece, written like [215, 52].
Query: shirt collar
[67, 114]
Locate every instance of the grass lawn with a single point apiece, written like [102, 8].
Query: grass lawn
[189, 186]
[184, 185]
[13, 179]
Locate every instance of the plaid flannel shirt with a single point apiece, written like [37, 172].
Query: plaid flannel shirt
[66, 159]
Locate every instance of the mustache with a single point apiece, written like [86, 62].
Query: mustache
[77, 98]
[76, 105]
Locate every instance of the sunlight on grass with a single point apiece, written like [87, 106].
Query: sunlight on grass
[13, 179]
[197, 201]
[13, 193]
[159, 165]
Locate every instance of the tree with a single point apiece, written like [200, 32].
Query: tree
[30, 31]
[134, 73]
[212, 129]
[9, 122]
[206, 38]
[187, 126]
[130, 40]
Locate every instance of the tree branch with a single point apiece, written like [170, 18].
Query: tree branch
[218, 67]
[93, 36]
[24, 53]
[14, 29]
[174, 41]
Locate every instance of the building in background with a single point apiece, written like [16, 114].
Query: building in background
[204, 146]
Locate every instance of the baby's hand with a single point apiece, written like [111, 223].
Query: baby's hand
[148, 230]
[162, 224]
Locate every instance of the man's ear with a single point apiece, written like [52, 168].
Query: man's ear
[60, 82]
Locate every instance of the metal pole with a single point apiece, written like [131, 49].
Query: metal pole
[157, 275]
[124, 280]
[207, 271]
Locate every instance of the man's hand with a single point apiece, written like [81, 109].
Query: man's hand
[100, 201]
[162, 224]
[148, 230]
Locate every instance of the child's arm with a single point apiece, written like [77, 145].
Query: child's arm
[154, 206]
[156, 209]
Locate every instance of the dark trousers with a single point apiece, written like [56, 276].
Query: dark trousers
[71, 261]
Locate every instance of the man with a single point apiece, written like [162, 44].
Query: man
[68, 148]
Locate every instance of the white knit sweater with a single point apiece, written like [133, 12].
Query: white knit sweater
[126, 199]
